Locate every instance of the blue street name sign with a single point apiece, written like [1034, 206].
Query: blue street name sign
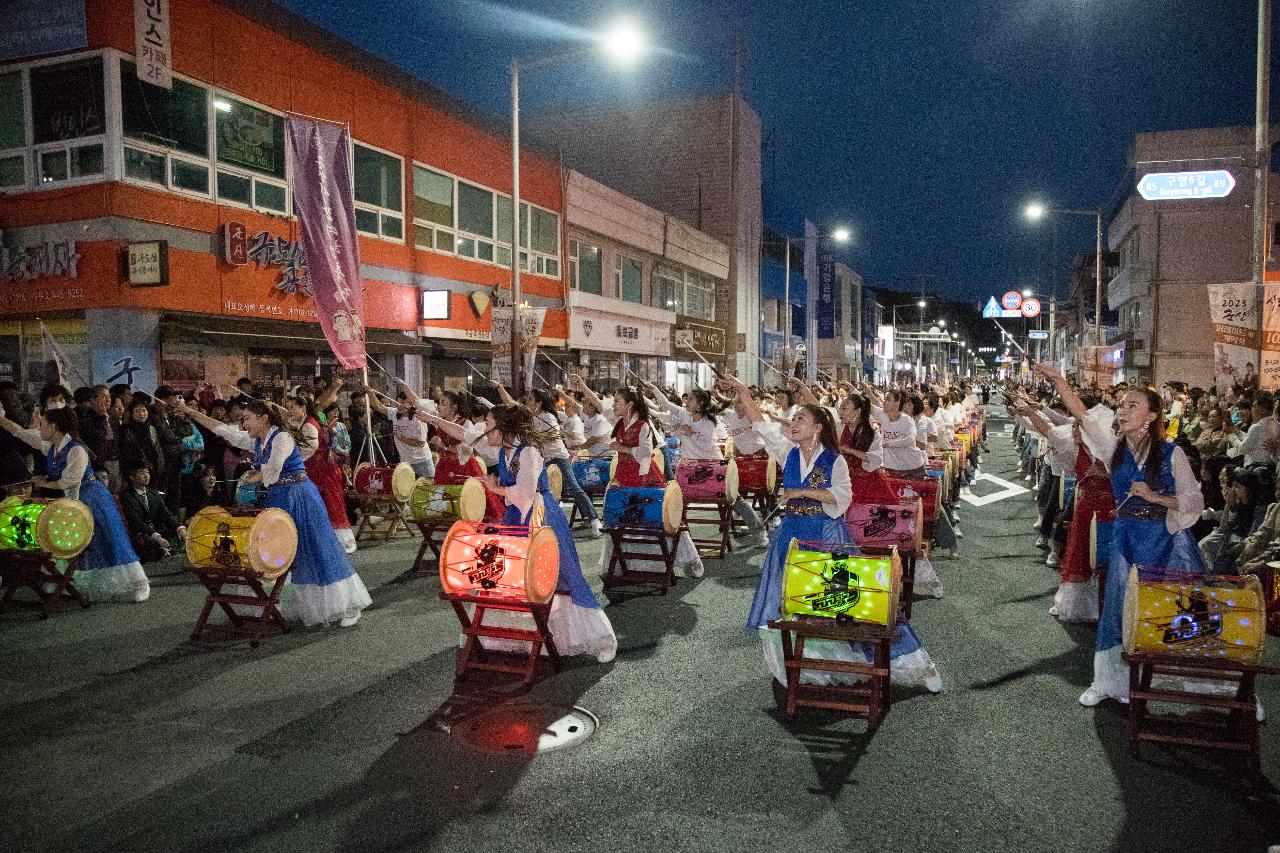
[1038, 335]
[1165, 186]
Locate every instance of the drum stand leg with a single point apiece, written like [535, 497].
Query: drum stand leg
[622, 538]
[254, 627]
[718, 513]
[35, 571]
[473, 655]
[908, 582]
[869, 698]
[428, 531]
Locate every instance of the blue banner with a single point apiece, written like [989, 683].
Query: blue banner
[37, 27]
[826, 307]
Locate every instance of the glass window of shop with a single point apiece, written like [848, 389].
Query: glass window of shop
[475, 222]
[13, 131]
[68, 120]
[666, 289]
[628, 278]
[378, 193]
[586, 272]
[250, 152]
[432, 210]
[160, 127]
[700, 297]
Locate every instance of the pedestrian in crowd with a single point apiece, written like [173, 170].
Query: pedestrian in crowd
[171, 430]
[207, 491]
[139, 442]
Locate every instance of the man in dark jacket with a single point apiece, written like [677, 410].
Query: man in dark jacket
[171, 429]
[15, 454]
[153, 525]
[94, 429]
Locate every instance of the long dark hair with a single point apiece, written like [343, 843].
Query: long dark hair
[461, 403]
[861, 436]
[826, 426]
[514, 421]
[261, 409]
[1155, 441]
[637, 401]
[64, 421]
[705, 407]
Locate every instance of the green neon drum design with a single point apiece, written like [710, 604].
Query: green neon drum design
[61, 528]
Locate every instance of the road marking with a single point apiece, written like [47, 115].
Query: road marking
[1007, 490]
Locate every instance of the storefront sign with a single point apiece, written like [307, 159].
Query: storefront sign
[1233, 311]
[265, 250]
[151, 42]
[135, 367]
[531, 322]
[592, 330]
[826, 308]
[50, 259]
[38, 27]
[1270, 373]
[147, 264]
[690, 335]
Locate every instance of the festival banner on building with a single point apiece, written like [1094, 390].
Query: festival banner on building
[826, 308]
[531, 320]
[810, 299]
[1269, 374]
[322, 198]
[1233, 311]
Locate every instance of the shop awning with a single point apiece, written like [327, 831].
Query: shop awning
[286, 335]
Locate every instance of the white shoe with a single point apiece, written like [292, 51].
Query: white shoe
[142, 593]
[761, 539]
[1092, 697]
[1053, 611]
[595, 529]
[376, 519]
[959, 533]
[606, 655]
[1041, 543]
[933, 683]
[1053, 560]
[1036, 524]
[348, 621]
[953, 554]
[1259, 713]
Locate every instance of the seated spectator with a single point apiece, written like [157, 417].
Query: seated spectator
[204, 491]
[154, 526]
[1263, 544]
[1236, 522]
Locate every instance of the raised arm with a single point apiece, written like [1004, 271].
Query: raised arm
[803, 392]
[329, 394]
[1069, 397]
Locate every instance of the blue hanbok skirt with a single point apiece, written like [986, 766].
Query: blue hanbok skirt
[1146, 543]
[110, 565]
[323, 585]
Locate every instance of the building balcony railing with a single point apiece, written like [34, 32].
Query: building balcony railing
[1130, 282]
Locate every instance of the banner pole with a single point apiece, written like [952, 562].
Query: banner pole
[368, 417]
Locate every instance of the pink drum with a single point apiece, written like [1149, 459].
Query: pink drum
[708, 479]
[885, 525]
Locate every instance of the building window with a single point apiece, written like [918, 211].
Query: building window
[68, 120]
[586, 271]
[628, 278]
[666, 289]
[432, 210]
[837, 309]
[163, 128]
[475, 217]
[700, 297]
[13, 113]
[250, 152]
[378, 193]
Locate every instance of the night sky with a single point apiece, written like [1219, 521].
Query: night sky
[925, 125]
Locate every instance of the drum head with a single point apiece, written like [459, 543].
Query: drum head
[1093, 543]
[471, 500]
[360, 467]
[672, 507]
[542, 566]
[771, 475]
[65, 528]
[201, 532]
[731, 481]
[273, 543]
[660, 460]
[555, 481]
[402, 480]
[613, 466]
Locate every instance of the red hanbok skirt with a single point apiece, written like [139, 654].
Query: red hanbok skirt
[1093, 499]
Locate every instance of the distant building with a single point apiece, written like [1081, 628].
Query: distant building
[697, 159]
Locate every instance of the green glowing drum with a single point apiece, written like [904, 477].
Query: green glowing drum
[61, 528]
[839, 582]
[438, 502]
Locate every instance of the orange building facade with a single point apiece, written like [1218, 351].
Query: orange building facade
[105, 179]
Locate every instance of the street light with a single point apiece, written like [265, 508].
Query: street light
[1036, 211]
[839, 234]
[625, 44]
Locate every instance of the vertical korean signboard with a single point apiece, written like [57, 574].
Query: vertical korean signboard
[151, 42]
[826, 309]
[1233, 311]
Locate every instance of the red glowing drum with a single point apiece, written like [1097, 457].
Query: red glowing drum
[512, 563]
[924, 488]
[757, 474]
[708, 479]
[394, 480]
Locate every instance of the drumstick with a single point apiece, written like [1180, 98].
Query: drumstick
[770, 366]
[477, 370]
[554, 363]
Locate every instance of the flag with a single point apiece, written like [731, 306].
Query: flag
[323, 200]
[53, 353]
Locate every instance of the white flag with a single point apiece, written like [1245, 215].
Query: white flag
[53, 352]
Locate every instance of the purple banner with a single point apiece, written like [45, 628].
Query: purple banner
[322, 198]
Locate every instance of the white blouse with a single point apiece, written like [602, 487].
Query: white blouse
[281, 447]
[312, 435]
[1096, 430]
[77, 461]
[742, 431]
[596, 433]
[1062, 449]
[554, 448]
[697, 437]
[780, 447]
[521, 494]
[900, 451]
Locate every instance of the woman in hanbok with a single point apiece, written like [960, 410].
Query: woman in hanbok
[323, 471]
[633, 444]
[323, 586]
[816, 493]
[111, 569]
[577, 622]
[1157, 498]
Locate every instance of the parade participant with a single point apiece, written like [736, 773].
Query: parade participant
[694, 423]
[816, 493]
[633, 443]
[323, 586]
[542, 404]
[1157, 499]
[315, 450]
[863, 448]
[577, 622]
[410, 435]
[596, 430]
[452, 419]
[111, 567]
[902, 458]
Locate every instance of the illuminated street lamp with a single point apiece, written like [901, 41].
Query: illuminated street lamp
[1036, 211]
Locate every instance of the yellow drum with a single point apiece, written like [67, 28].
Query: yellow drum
[435, 502]
[555, 481]
[820, 579]
[61, 528]
[263, 541]
[1214, 616]
[507, 562]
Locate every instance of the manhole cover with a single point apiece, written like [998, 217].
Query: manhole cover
[527, 726]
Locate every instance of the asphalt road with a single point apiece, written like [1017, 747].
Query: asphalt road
[119, 734]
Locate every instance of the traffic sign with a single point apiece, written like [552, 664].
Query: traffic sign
[1030, 308]
[1038, 335]
[1011, 301]
[1164, 186]
[991, 309]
